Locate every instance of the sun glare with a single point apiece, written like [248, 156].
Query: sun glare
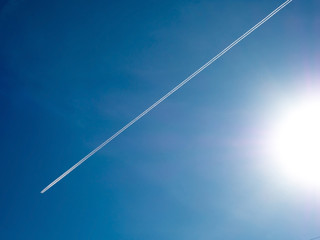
[295, 141]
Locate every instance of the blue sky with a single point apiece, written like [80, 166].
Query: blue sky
[74, 72]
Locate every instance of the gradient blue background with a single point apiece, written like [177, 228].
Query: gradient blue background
[74, 72]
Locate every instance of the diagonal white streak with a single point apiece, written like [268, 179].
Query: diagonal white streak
[169, 93]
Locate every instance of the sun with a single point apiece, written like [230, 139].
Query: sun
[295, 141]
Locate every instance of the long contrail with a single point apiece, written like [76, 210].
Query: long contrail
[169, 93]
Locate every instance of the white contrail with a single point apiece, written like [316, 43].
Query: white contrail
[169, 93]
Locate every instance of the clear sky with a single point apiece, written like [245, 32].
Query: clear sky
[72, 73]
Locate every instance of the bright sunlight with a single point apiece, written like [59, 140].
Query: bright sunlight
[295, 141]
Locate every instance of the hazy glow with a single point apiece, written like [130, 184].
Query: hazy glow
[295, 141]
